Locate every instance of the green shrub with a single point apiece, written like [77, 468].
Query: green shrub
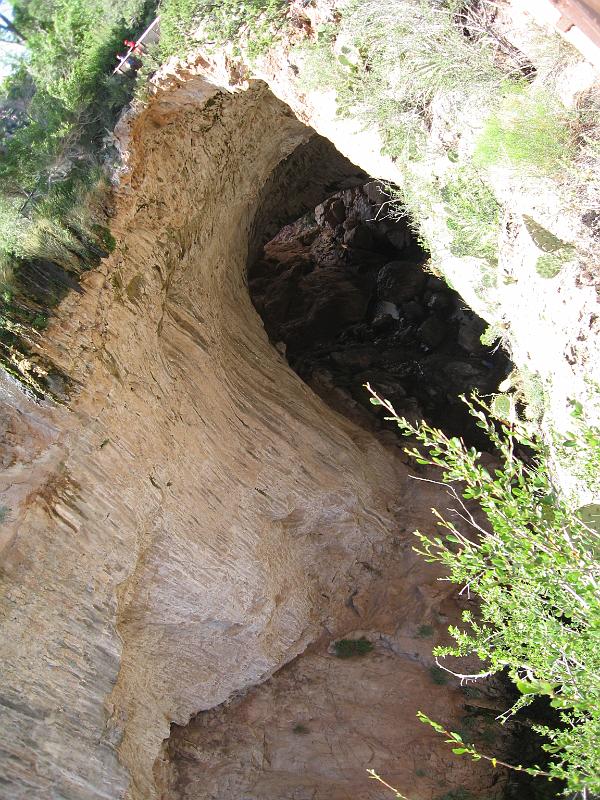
[491, 335]
[300, 729]
[580, 450]
[347, 648]
[438, 676]
[535, 567]
[542, 237]
[530, 131]
[401, 55]
[473, 216]
[58, 104]
[425, 631]
[549, 265]
[220, 22]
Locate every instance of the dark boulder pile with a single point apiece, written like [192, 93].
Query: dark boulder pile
[345, 293]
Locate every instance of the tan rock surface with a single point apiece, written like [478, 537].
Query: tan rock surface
[312, 730]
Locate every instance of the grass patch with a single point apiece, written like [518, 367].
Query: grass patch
[388, 61]
[530, 131]
[348, 648]
[300, 729]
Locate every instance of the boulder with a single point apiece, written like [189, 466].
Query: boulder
[332, 212]
[441, 302]
[398, 233]
[325, 303]
[432, 331]
[360, 236]
[469, 333]
[413, 311]
[327, 249]
[359, 357]
[399, 281]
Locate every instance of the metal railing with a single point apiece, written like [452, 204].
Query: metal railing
[149, 36]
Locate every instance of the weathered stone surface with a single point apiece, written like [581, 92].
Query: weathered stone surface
[313, 729]
[399, 281]
[432, 331]
[331, 213]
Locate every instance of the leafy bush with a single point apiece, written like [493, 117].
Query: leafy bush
[388, 61]
[300, 729]
[535, 567]
[425, 631]
[403, 54]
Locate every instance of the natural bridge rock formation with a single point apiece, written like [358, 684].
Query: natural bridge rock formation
[196, 518]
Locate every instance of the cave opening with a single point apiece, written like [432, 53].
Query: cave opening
[349, 295]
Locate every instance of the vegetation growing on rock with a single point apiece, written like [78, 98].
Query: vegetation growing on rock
[535, 568]
[348, 648]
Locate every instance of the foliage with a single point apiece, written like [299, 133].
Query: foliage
[460, 747]
[530, 131]
[548, 265]
[388, 62]
[64, 98]
[542, 237]
[473, 216]
[300, 729]
[425, 631]
[55, 110]
[536, 570]
[220, 23]
[150, 59]
[491, 335]
[347, 648]
[580, 450]
[4, 512]
[438, 676]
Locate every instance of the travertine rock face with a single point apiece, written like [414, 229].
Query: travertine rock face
[196, 517]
